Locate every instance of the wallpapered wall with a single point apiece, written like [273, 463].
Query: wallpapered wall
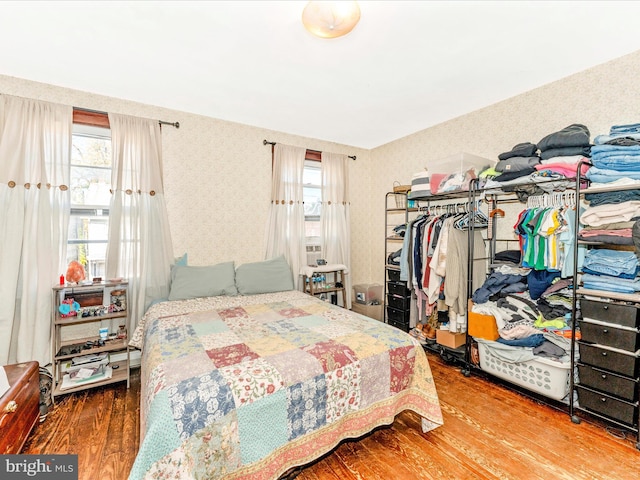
[217, 173]
[598, 98]
[218, 177]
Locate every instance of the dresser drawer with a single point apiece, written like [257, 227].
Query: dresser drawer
[19, 407]
[610, 335]
[625, 315]
[619, 362]
[603, 404]
[398, 288]
[394, 275]
[399, 302]
[611, 383]
[398, 318]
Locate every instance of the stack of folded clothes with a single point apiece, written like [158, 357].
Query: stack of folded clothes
[562, 151]
[517, 162]
[548, 166]
[420, 185]
[571, 141]
[616, 157]
[610, 216]
[513, 171]
[612, 221]
[611, 271]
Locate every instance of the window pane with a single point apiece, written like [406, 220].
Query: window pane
[311, 173]
[312, 201]
[90, 186]
[88, 227]
[312, 190]
[91, 256]
[91, 150]
[90, 197]
[312, 231]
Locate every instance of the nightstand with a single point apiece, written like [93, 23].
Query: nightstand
[333, 280]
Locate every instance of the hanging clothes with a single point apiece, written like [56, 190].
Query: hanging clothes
[545, 235]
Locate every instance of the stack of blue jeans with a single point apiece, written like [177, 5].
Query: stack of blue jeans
[616, 155]
[611, 270]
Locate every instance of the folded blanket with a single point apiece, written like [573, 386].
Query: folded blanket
[610, 213]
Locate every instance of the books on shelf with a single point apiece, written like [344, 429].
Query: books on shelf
[88, 361]
[86, 373]
[89, 358]
[84, 376]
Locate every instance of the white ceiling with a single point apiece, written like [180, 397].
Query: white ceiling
[405, 67]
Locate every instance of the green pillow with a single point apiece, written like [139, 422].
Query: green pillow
[208, 281]
[264, 277]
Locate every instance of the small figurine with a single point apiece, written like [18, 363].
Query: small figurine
[69, 308]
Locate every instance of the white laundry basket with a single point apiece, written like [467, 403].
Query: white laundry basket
[541, 375]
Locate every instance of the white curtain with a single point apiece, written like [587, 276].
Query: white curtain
[334, 219]
[285, 230]
[139, 247]
[35, 147]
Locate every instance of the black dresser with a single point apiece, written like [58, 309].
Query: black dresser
[608, 366]
[398, 301]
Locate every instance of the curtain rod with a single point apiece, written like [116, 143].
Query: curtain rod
[161, 122]
[266, 142]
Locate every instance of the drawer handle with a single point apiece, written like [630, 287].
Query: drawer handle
[604, 354]
[603, 400]
[606, 307]
[605, 330]
[11, 407]
[604, 377]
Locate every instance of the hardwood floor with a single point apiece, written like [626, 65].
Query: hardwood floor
[490, 432]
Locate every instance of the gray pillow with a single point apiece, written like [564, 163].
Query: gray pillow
[208, 281]
[264, 277]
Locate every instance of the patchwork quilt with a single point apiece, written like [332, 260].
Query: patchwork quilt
[248, 387]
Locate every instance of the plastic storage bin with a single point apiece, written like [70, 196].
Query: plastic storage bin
[439, 169]
[541, 375]
[459, 163]
[368, 293]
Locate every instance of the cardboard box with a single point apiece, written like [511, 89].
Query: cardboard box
[367, 293]
[451, 340]
[373, 311]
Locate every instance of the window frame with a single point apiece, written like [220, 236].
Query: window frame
[313, 241]
[89, 118]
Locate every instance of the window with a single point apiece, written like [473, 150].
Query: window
[312, 192]
[90, 196]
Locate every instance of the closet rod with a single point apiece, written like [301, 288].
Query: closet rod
[267, 142]
[98, 112]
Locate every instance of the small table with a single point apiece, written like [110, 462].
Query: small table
[337, 272]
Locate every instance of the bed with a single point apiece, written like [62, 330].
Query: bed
[250, 386]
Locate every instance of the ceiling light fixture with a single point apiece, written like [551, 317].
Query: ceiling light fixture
[330, 19]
